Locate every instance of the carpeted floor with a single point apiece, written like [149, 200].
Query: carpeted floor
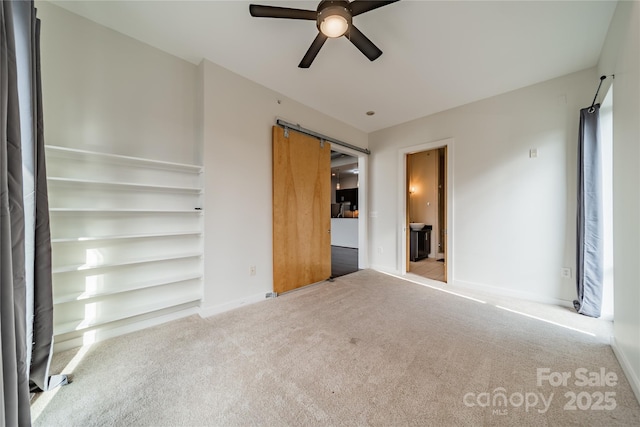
[367, 349]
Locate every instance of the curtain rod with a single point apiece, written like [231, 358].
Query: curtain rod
[591, 109]
[320, 136]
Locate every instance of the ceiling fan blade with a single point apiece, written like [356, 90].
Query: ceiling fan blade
[361, 6]
[260, 11]
[313, 51]
[365, 45]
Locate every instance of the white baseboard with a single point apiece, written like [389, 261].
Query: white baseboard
[104, 333]
[498, 291]
[631, 375]
[493, 290]
[221, 308]
[385, 270]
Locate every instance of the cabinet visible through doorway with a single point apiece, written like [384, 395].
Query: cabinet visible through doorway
[420, 243]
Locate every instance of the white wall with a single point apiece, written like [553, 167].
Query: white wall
[238, 117]
[513, 216]
[620, 56]
[107, 92]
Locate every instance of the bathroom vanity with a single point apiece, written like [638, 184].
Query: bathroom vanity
[420, 241]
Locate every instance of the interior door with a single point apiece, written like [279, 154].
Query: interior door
[301, 210]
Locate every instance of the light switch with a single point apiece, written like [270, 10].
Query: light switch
[533, 153]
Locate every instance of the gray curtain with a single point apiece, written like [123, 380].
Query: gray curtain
[590, 251]
[26, 317]
[42, 348]
[15, 382]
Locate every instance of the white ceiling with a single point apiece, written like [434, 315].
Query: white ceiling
[437, 54]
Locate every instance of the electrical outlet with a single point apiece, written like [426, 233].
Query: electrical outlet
[380, 249]
[565, 273]
[252, 270]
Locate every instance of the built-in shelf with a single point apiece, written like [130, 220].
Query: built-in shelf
[129, 236]
[83, 324]
[103, 206]
[126, 211]
[74, 153]
[87, 295]
[121, 185]
[82, 267]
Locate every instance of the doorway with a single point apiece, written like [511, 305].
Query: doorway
[426, 188]
[345, 183]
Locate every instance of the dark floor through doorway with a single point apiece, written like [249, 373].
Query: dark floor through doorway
[343, 260]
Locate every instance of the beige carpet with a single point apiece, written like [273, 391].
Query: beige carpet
[367, 349]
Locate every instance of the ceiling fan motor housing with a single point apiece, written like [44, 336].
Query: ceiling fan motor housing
[328, 8]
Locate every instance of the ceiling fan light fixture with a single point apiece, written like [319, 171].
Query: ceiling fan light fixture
[334, 21]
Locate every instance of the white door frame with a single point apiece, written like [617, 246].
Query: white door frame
[402, 202]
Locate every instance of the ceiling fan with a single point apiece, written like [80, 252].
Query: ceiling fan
[333, 19]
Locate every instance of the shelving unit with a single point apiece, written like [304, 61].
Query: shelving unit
[127, 240]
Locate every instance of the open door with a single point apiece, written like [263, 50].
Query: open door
[301, 210]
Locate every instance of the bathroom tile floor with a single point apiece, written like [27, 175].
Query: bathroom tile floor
[429, 268]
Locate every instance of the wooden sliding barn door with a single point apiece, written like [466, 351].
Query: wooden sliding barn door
[301, 210]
